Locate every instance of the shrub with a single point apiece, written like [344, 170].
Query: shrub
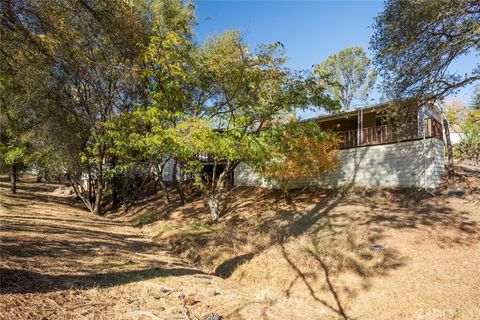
[468, 150]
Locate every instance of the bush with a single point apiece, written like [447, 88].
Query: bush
[468, 150]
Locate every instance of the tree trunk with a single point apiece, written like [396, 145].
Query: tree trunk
[89, 184]
[99, 184]
[138, 190]
[13, 178]
[97, 207]
[161, 182]
[45, 177]
[213, 205]
[450, 165]
[178, 186]
[164, 189]
[217, 191]
[115, 200]
[286, 196]
[80, 192]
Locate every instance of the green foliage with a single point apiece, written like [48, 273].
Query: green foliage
[350, 75]
[476, 98]
[415, 42]
[106, 92]
[468, 150]
[168, 58]
[75, 66]
[15, 120]
[295, 151]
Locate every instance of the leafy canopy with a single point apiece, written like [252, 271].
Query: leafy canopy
[294, 151]
[350, 75]
[416, 41]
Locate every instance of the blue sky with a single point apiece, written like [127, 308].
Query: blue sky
[310, 30]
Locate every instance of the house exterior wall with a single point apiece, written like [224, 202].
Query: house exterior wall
[406, 164]
[168, 171]
[369, 119]
[246, 176]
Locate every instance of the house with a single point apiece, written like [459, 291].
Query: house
[375, 152]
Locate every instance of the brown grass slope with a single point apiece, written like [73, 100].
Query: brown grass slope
[263, 260]
[314, 259]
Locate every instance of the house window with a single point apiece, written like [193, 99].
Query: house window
[427, 126]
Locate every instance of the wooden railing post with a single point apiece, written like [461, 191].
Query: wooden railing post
[360, 127]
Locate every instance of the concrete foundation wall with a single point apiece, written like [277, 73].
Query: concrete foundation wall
[406, 164]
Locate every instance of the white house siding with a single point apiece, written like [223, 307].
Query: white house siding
[407, 164]
[168, 171]
[246, 176]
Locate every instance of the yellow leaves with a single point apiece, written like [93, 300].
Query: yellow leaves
[296, 151]
[473, 116]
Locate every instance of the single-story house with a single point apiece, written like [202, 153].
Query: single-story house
[376, 152]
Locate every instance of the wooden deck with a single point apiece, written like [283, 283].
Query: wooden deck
[388, 134]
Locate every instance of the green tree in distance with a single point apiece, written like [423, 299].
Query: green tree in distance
[350, 75]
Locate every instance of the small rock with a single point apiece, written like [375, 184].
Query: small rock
[181, 296]
[130, 261]
[456, 192]
[165, 289]
[213, 293]
[212, 316]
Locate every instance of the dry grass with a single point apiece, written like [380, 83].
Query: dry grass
[60, 262]
[263, 260]
[316, 254]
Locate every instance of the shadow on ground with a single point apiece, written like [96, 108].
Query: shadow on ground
[23, 281]
[48, 245]
[258, 221]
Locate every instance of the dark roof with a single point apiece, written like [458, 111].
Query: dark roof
[347, 114]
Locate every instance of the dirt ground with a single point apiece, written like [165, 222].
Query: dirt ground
[263, 260]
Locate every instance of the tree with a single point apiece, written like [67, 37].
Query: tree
[249, 91]
[476, 98]
[294, 152]
[171, 76]
[16, 117]
[415, 42]
[88, 54]
[118, 86]
[468, 149]
[350, 74]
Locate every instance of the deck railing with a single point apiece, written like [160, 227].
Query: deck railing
[387, 134]
[205, 157]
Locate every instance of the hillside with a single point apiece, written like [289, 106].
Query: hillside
[262, 260]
